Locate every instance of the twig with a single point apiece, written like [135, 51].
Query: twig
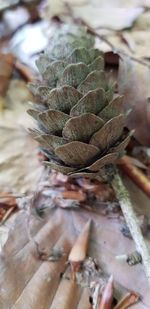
[114, 49]
[132, 222]
[135, 174]
[103, 37]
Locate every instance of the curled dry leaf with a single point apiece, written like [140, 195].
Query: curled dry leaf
[133, 83]
[20, 168]
[129, 299]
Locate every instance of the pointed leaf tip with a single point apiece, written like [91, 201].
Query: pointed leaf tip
[107, 296]
[79, 250]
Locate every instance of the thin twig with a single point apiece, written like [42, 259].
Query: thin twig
[132, 222]
[114, 49]
[135, 174]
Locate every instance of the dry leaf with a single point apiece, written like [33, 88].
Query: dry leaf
[20, 166]
[39, 284]
[133, 83]
[115, 14]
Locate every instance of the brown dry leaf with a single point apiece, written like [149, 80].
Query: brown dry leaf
[116, 14]
[26, 281]
[133, 83]
[20, 167]
[133, 41]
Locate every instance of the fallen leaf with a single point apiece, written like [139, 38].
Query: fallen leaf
[106, 15]
[133, 83]
[20, 166]
[41, 284]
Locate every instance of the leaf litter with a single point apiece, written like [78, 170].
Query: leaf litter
[41, 277]
[46, 232]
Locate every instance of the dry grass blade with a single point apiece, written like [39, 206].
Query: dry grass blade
[128, 300]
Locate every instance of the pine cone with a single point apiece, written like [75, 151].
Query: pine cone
[80, 125]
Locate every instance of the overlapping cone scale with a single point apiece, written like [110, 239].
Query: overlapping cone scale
[79, 121]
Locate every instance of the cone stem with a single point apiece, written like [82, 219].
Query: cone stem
[132, 222]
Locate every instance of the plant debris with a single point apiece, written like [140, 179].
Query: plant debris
[129, 299]
[44, 240]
